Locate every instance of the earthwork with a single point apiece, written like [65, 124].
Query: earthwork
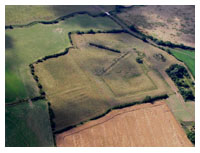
[72, 72]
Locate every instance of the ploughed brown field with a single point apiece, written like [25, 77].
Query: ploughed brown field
[140, 126]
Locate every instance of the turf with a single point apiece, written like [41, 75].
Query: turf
[26, 45]
[28, 125]
[188, 57]
[24, 14]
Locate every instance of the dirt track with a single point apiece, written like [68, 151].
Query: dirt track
[140, 125]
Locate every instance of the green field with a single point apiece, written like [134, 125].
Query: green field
[180, 112]
[188, 57]
[26, 45]
[28, 124]
[24, 14]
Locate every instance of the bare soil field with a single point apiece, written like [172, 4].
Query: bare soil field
[169, 23]
[142, 125]
[88, 80]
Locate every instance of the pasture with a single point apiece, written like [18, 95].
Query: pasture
[24, 14]
[26, 45]
[188, 57]
[88, 80]
[28, 125]
[145, 125]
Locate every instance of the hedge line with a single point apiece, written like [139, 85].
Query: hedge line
[147, 99]
[160, 42]
[23, 100]
[169, 44]
[35, 77]
[43, 96]
[48, 57]
[104, 47]
[99, 31]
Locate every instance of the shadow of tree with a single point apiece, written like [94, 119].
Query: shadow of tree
[8, 42]
[61, 10]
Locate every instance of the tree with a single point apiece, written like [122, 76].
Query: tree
[147, 99]
[144, 39]
[132, 27]
[118, 7]
[91, 32]
[191, 135]
[139, 60]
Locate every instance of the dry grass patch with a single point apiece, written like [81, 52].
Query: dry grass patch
[173, 23]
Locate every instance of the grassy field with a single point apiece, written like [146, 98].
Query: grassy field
[24, 14]
[145, 125]
[26, 45]
[94, 80]
[188, 57]
[182, 113]
[27, 124]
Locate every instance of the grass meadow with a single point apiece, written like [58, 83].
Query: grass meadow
[188, 57]
[27, 124]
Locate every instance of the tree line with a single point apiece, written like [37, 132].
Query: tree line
[178, 74]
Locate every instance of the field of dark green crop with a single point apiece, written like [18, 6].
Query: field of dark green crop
[28, 124]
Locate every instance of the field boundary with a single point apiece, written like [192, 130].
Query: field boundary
[25, 100]
[121, 106]
[55, 21]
